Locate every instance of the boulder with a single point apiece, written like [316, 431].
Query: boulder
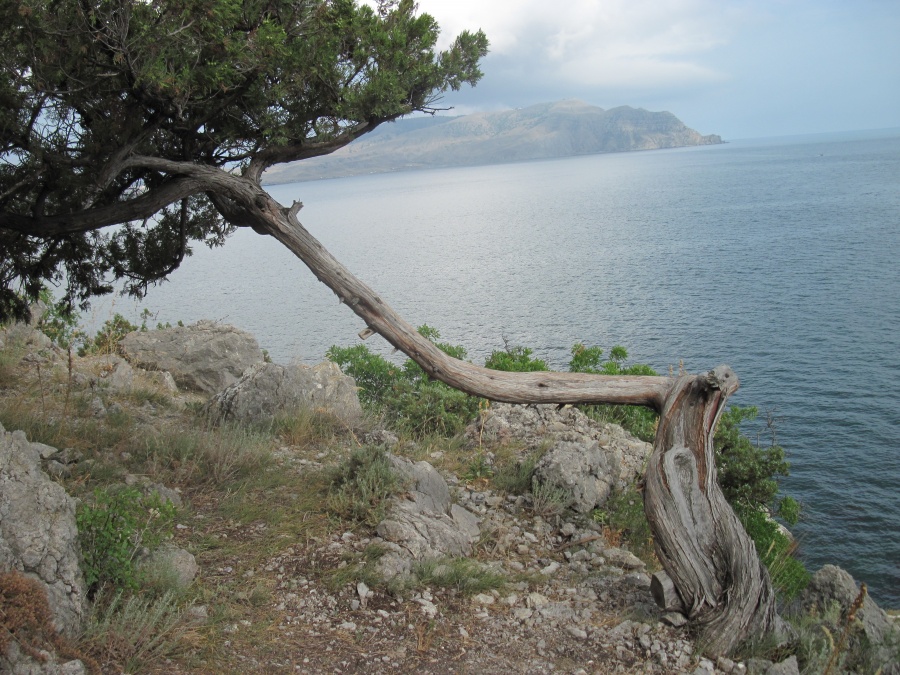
[423, 523]
[204, 357]
[38, 532]
[582, 470]
[572, 431]
[831, 585]
[268, 389]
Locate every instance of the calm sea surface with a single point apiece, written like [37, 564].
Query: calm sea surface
[777, 257]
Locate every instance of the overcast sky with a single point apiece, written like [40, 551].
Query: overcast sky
[741, 69]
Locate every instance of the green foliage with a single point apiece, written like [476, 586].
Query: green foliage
[775, 549]
[515, 477]
[547, 500]
[107, 339]
[466, 576]
[108, 132]
[113, 527]
[514, 359]
[478, 469]
[639, 421]
[59, 322]
[408, 398]
[748, 473]
[360, 487]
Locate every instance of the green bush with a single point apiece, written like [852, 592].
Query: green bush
[107, 339]
[406, 396]
[112, 529]
[515, 360]
[748, 473]
[637, 420]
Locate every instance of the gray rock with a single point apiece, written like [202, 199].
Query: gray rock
[831, 585]
[582, 470]
[268, 389]
[204, 357]
[423, 523]
[17, 662]
[787, 667]
[534, 425]
[173, 560]
[38, 534]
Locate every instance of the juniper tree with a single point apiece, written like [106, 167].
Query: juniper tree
[131, 130]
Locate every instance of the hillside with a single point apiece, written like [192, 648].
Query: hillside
[543, 131]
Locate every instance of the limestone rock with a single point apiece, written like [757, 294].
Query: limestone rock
[267, 389]
[582, 470]
[204, 357]
[38, 533]
[423, 523]
[173, 560]
[534, 425]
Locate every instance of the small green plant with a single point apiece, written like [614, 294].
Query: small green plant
[478, 469]
[547, 500]
[361, 486]
[107, 339]
[624, 522]
[131, 632]
[112, 529]
[515, 477]
[465, 575]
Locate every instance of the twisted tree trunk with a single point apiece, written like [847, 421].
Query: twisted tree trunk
[722, 586]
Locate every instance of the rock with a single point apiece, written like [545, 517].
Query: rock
[38, 534]
[178, 562]
[787, 667]
[204, 357]
[624, 559]
[268, 389]
[423, 523]
[831, 585]
[582, 470]
[535, 425]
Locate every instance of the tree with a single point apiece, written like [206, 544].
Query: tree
[151, 130]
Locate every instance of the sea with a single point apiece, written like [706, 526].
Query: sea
[778, 257]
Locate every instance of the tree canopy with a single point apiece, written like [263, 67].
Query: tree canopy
[131, 128]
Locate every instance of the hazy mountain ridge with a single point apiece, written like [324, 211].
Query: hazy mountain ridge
[542, 131]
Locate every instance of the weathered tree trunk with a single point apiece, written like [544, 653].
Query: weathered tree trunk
[723, 587]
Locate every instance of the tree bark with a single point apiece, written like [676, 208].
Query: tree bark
[723, 587]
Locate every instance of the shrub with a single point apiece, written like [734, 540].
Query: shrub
[360, 487]
[408, 398]
[514, 359]
[637, 420]
[107, 339]
[113, 528]
[748, 473]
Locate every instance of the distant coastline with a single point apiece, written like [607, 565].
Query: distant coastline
[545, 131]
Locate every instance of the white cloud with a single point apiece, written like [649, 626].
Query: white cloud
[639, 43]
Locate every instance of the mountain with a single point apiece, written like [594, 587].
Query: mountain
[542, 131]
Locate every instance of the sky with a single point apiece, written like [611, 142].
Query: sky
[740, 69]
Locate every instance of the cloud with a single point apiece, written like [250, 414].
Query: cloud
[637, 44]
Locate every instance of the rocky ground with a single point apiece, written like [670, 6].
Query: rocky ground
[285, 585]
